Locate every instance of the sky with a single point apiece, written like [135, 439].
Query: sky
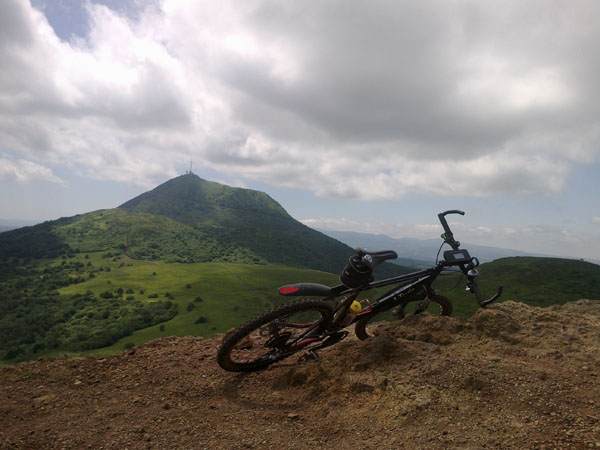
[355, 116]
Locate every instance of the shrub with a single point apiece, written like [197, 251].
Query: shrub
[128, 345]
[12, 353]
[201, 319]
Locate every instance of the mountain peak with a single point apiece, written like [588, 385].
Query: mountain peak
[192, 200]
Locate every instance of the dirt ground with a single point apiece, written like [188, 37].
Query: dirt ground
[513, 376]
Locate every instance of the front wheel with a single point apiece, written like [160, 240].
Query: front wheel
[439, 305]
[275, 335]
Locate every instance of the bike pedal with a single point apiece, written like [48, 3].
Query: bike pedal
[309, 356]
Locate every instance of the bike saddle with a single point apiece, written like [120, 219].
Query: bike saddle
[309, 289]
[373, 259]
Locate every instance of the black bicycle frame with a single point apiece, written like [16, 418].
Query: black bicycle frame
[391, 298]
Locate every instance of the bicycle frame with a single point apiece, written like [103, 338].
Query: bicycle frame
[408, 284]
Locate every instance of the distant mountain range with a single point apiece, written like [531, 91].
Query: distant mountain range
[419, 252]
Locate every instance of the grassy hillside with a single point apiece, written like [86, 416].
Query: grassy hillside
[535, 281]
[92, 300]
[241, 219]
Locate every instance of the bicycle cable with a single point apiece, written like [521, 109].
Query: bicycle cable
[448, 272]
[437, 257]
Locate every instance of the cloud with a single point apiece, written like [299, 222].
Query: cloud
[351, 100]
[23, 171]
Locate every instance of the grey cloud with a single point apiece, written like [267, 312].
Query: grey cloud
[504, 94]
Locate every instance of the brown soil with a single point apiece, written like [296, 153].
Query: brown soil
[513, 376]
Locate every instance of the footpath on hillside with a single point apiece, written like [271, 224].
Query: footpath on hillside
[512, 376]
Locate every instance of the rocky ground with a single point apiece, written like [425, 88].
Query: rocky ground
[513, 376]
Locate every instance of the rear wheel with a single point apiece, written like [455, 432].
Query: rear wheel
[439, 305]
[275, 335]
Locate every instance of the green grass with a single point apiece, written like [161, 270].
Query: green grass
[230, 293]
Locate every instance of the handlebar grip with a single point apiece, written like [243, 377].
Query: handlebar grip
[451, 211]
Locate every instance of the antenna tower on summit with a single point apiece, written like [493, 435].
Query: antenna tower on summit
[190, 172]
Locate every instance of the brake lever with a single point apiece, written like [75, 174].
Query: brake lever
[483, 303]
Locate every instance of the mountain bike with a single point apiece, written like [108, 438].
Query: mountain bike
[311, 324]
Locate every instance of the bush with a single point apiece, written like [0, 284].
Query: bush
[128, 346]
[201, 319]
[12, 353]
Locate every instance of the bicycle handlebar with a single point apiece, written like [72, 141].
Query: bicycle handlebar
[448, 236]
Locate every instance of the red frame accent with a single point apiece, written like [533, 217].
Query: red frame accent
[299, 325]
[287, 290]
[305, 342]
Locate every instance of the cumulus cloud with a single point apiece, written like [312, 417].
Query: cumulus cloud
[23, 171]
[351, 100]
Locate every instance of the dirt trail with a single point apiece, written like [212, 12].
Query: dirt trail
[513, 376]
